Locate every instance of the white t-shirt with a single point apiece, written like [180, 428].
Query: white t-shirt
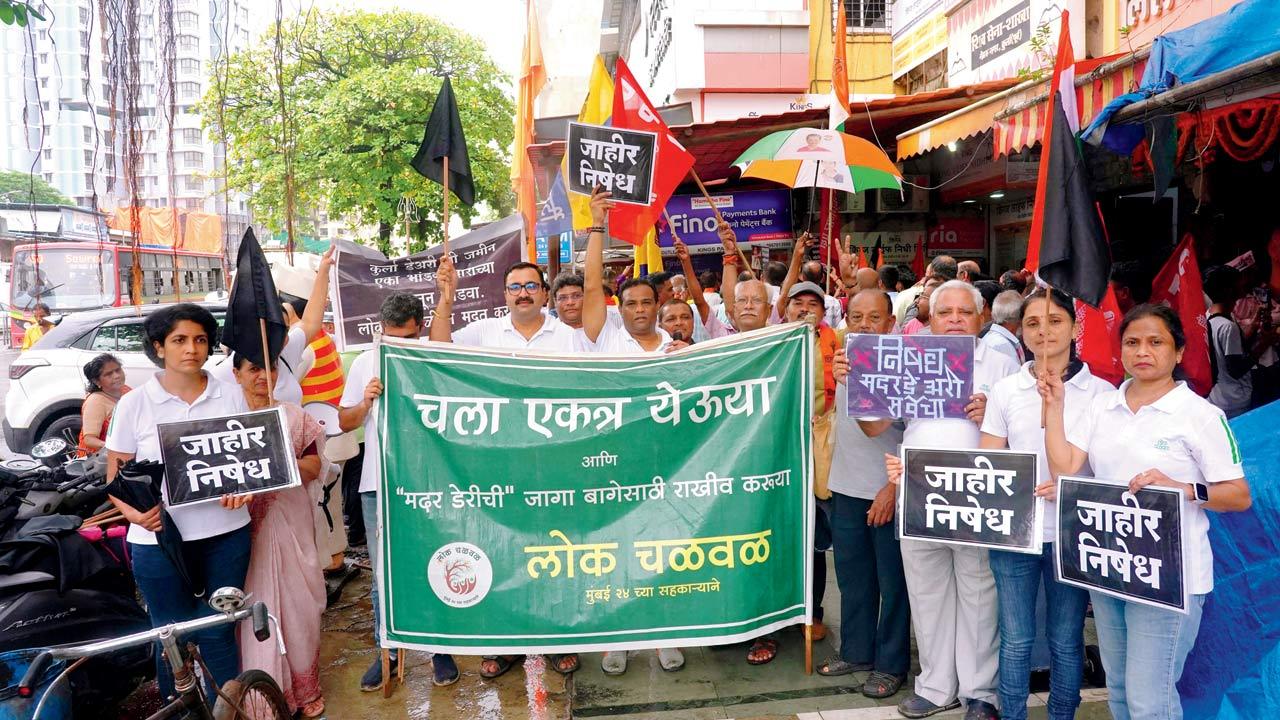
[1013, 413]
[616, 340]
[500, 332]
[989, 368]
[133, 431]
[999, 338]
[1183, 436]
[857, 462]
[287, 389]
[1230, 394]
[713, 298]
[363, 369]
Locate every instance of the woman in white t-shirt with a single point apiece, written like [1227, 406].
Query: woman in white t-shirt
[1012, 421]
[215, 536]
[1152, 431]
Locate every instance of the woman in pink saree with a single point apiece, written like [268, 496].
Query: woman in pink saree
[284, 569]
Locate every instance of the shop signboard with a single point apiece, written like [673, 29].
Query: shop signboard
[1138, 22]
[991, 39]
[756, 216]
[958, 237]
[899, 246]
[919, 33]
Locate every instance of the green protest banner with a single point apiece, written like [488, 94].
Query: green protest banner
[536, 503]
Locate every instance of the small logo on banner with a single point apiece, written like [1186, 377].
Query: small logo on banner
[460, 574]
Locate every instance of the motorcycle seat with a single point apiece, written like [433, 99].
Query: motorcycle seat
[11, 582]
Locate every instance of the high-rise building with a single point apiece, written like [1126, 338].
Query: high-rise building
[56, 92]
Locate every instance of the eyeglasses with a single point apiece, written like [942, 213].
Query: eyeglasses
[749, 301]
[575, 297]
[530, 287]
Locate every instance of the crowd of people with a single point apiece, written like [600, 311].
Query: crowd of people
[972, 611]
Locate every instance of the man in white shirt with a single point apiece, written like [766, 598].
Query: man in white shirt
[1005, 318]
[952, 591]
[401, 316]
[637, 299]
[523, 327]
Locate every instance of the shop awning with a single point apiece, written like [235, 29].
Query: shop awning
[716, 145]
[1017, 115]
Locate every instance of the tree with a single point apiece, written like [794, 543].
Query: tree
[23, 188]
[359, 87]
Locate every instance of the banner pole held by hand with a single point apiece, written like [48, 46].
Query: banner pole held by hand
[445, 177]
[266, 361]
[719, 218]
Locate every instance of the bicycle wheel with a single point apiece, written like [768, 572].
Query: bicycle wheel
[255, 692]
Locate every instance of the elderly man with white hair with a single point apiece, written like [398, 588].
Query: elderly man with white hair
[1006, 316]
[950, 587]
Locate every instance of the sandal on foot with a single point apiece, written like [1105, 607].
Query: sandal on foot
[671, 659]
[500, 665]
[836, 665]
[766, 645]
[565, 664]
[614, 662]
[313, 709]
[444, 671]
[880, 685]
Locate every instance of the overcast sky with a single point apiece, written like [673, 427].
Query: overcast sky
[498, 23]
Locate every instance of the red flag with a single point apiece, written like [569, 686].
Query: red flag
[862, 258]
[829, 228]
[917, 263]
[633, 111]
[1178, 286]
[1099, 340]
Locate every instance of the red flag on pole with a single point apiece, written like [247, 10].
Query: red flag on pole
[918, 263]
[1178, 286]
[633, 111]
[1099, 340]
[862, 258]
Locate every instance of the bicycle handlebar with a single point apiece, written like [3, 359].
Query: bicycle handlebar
[38, 665]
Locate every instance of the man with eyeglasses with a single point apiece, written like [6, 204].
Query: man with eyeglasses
[524, 327]
[567, 294]
[637, 300]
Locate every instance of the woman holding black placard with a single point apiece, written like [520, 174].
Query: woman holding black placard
[1152, 431]
[215, 536]
[1012, 421]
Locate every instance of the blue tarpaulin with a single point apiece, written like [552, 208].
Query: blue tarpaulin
[1247, 32]
[1233, 671]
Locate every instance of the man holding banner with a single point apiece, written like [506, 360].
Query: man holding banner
[952, 591]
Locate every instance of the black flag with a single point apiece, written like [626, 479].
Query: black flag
[253, 298]
[442, 139]
[1074, 256]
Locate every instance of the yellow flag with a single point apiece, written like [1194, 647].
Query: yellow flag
[648, 256]
[596, 110]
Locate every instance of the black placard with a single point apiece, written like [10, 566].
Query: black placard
[230, 455]
[1126, 545]
[980, 498]
[620, 161]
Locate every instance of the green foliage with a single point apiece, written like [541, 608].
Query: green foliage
[16, 187]
[359, 87]
[1040, 51]
[18, 12]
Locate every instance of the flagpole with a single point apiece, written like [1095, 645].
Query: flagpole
[444, 176]
[266, 361]
[719, 218]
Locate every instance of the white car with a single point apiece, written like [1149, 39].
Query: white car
[47, 383]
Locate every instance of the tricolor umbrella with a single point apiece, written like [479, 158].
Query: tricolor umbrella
[809, 157]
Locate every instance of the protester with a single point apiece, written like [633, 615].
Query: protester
[638, 300]
[905, 307]
[524, 327]
[890, 278]
[284, 566]
[1232, 384]
[1258, 314]
[706, 325]
[215, 536]
[773, 274]
[875, 631]
[566, 292]
[920, 323]
[105, 376]
[952, 592]
[401, 315]
[1006, 318]
[1154, 430]
[1012, 280]
[968, 271]
[815, 272]
[1012, 420]
[710, 282]
[38, 327]
[675, 317]
[1130, 283]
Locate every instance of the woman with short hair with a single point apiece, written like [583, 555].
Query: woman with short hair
[215, 535]
[1154, 430]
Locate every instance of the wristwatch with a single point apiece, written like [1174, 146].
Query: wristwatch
[1201, 493]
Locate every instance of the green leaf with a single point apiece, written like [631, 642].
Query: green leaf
[6, 12]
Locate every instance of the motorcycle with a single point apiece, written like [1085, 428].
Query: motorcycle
[64, 585]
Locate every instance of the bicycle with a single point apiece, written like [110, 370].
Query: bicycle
[253, 695]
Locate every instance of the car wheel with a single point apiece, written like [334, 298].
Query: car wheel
[65, 428]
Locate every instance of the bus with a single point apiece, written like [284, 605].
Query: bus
[71, 276]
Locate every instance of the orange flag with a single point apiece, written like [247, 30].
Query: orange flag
[862, 258]
[533, 76]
